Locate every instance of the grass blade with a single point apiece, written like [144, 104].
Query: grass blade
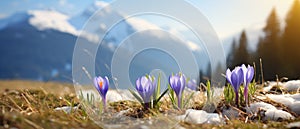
[166, 91]
[136, 96]
[188, 100]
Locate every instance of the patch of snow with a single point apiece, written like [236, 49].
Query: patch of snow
[270, 85]
[284, 99]
[294, 125]
[291, 101]
[79, 20]
[292, 85]
[119, 95]
[66, 109]
[296, 97]
[270, 111]
[49, 19]
[254, 107]
[97, 5]
[274, 114]
[200, 117]
[93, 38]
[111, 96]
[141, 24]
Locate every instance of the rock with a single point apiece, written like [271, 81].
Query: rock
[231, 113]
[200, 117]
[294, 125]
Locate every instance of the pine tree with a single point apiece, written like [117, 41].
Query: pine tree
[230, 57]
[241, 55]
[268, 47]
[291, 40]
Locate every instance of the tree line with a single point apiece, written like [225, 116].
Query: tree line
[278, 48]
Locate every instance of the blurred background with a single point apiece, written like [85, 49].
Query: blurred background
[37, 38]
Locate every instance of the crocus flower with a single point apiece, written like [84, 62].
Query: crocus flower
[177, 83]
[145, 87]
[192, 84]
[248, 73]
[235, 78]
[101, 84]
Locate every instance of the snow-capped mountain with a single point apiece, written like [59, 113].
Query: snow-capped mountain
[40, 19]
[38, 44]
[119, 31]
[79, 20]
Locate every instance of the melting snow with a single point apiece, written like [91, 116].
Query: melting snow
[293, 85]
[270, 112]
[200, 117]
[291, 101]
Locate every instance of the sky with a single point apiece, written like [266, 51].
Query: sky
[228, 17]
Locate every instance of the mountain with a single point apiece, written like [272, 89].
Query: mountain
[38, 44]
[28, 41]
[41, 20]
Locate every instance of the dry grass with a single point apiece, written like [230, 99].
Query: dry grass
[25, 104]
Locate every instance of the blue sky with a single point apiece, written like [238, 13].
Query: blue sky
[227, 16]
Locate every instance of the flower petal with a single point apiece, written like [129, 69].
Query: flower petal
[192, 84]
[96, 84]
[228, 76]
[234, 81]
[250, 74]
[244, 70]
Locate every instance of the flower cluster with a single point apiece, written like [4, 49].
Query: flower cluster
[148, 87]
[238, 76]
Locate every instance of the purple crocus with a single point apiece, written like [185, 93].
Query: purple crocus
[145, 86]
[248, 73]
[192, 84]
[235, 78]
[177, 83]
[102, 84]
